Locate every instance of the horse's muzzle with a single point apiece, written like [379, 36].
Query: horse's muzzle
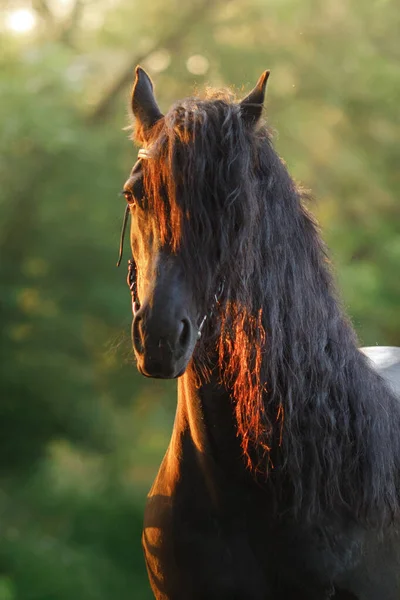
[163, 347]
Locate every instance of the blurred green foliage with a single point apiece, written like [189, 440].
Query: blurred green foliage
[81, 435]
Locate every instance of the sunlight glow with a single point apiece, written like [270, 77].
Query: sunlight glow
[197, 64]
[158, 61]
[21, 21]
[61, 8]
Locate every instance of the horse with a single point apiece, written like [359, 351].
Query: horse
[281, 478]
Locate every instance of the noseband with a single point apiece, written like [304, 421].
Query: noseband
[131, 278]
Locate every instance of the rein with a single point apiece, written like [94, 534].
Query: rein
[131, 278]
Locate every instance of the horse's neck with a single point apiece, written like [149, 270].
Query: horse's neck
[205, 414]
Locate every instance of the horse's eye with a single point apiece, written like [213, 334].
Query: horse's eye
[128, 196]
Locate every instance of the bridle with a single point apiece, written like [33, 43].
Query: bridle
[131, 278]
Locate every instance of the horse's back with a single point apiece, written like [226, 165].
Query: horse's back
[386, 361]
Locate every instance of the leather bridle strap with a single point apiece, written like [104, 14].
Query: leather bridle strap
[122, 236]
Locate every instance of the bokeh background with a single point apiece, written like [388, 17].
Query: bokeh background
[81, 434]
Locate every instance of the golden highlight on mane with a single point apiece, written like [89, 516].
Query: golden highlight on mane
[240, 349]
[162, 189]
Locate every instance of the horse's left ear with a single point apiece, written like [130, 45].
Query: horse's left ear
[144, 106]
[251, 106]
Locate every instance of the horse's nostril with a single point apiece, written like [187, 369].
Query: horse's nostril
[184, 336]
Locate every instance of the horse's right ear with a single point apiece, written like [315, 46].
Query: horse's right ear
[252, 105]
[144, 106]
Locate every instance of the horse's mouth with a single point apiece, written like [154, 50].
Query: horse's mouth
[156, 370]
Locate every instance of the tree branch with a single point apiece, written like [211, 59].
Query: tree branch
[70, 24]
[43, 9]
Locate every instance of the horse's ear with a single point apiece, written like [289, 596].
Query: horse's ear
[252, 105]
[144, 106]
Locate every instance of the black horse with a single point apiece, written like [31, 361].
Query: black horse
[281, 480]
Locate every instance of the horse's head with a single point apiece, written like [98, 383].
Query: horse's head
[189, 199]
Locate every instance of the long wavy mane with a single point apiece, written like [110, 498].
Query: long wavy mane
[312, 416]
